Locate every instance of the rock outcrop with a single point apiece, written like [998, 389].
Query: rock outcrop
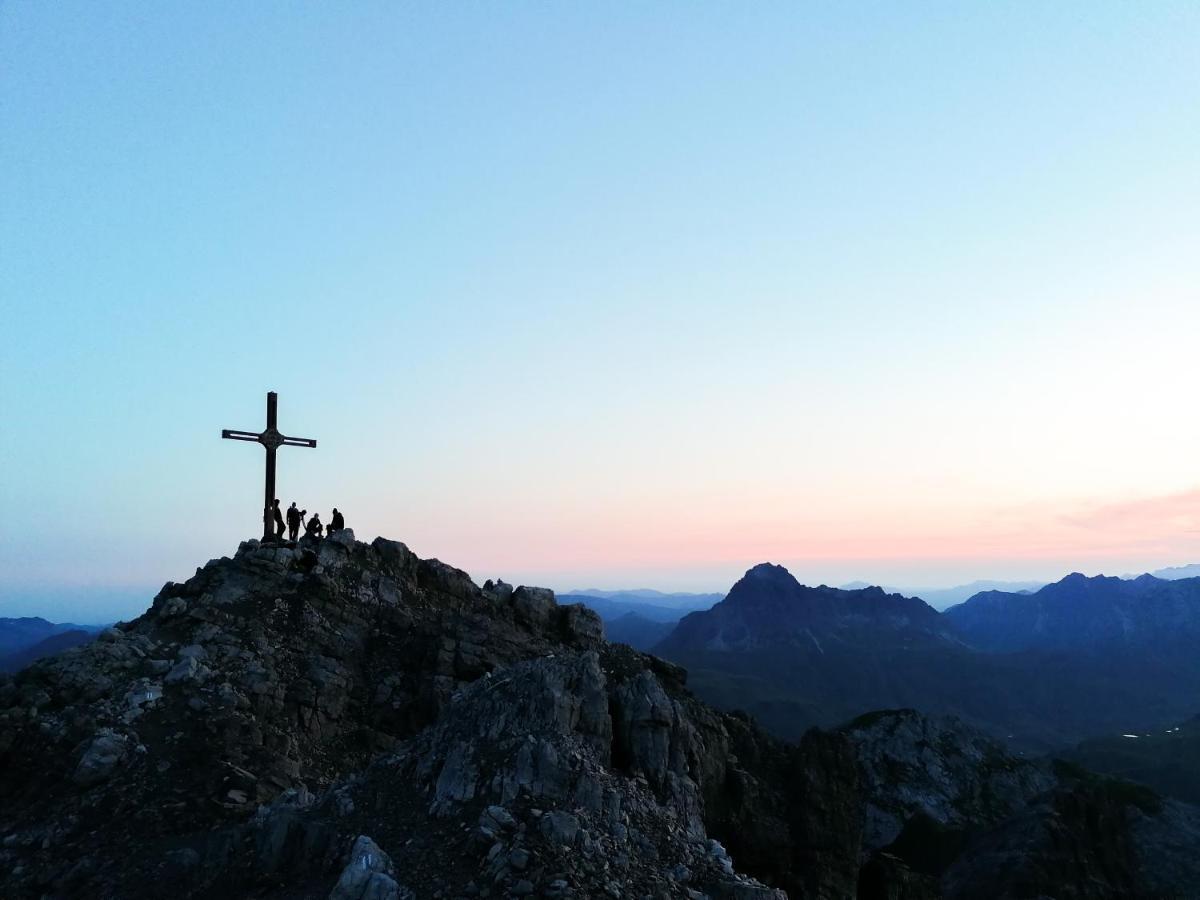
[267, 718]
[939, 769]
[345, 720]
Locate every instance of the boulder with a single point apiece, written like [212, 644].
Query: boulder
[581, 623]
[187, 669]
[499, 591]
[368, 875]
[107, 750]
[497, 819]
[435, 575]
[345, 537]
[559, 827]
[534, 605]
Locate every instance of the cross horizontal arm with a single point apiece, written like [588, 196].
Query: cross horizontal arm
[299, 442]
[239, 435]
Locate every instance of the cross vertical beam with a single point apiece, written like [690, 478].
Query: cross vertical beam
[272, 440]
[272, 422]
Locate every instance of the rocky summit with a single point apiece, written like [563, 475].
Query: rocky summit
[345, 720]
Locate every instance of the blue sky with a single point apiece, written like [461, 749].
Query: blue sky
[612, 295]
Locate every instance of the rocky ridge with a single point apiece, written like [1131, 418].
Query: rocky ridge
[1078, 612]
[346, 720]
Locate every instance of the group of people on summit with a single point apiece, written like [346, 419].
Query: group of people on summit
[312, 528]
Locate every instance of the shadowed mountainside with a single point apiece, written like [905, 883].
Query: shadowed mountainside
[23, 633]
[1081, 613]
[1069, 663]
[1167, 760]
[56, 643]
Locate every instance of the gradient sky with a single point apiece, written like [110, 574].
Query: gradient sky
[610, 295]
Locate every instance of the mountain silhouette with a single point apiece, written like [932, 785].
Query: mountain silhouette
[56, 643]
[1081, 613]
[1078, 658]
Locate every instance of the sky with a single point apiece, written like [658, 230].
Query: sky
[600, 295]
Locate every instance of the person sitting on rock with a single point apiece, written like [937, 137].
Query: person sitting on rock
[336, 523]
[314, 526]
[294, 518]
[278, 519]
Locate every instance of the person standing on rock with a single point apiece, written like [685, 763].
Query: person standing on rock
[294, 518]
[314, 526]
[336, 522]
[278, 520]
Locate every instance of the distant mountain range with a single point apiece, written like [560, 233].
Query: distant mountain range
[24, 640]
[640, 618]
[646, 597]
[1077, 658]
[941, 598]
[636, 630]
[1081, 613]
[1174, 573]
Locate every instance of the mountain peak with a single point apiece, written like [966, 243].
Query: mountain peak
[280, 695]
[771, 571]
[769, 606]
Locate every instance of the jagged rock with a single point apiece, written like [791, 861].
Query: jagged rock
[582, 623]
[368, 875]
[187, 669]
[498, 591]
[534, 605]
[954, 774]
[1074, 842]
[559, 827]
[344, 536]
[648, 731]
[101, 758]
[497, 818]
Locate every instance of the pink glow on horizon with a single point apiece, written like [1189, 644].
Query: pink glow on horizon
[1161, 530]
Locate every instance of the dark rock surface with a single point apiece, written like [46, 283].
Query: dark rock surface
[346, 720]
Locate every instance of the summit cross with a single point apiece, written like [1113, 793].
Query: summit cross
[272, 440]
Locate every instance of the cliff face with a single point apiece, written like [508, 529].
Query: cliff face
[346, 720]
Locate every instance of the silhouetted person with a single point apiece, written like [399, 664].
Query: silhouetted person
[294, 518]
[336, 522]
[278, 520]
[314, 526]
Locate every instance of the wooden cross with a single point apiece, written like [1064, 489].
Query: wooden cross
[272, 440]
